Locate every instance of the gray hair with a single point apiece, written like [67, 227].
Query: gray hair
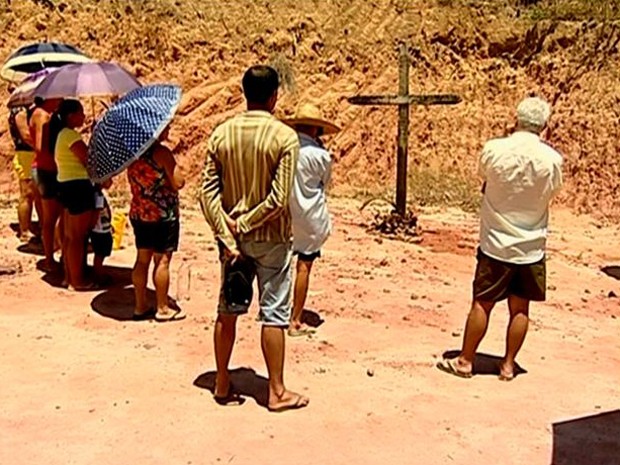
[533, 114]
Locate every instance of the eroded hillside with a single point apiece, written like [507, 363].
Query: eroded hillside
[490, 53]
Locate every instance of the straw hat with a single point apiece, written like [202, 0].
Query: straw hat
[309, 115]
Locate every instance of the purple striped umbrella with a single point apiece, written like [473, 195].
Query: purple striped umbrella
[23, 95]
[99, 79]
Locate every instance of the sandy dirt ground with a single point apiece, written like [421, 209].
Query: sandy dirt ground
[82, 385]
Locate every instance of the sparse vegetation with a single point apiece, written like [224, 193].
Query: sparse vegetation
[573, 10]
[428, 187]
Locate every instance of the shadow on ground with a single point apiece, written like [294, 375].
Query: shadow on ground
[588, 440]
[245, 382]
[485, 364]
[311, 318]
[613, 271]
[118, 302]
[33, 247]
[119, 277]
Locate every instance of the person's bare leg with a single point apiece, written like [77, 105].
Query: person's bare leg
[59, 232]
[273, 345]
[302, 280]
[475, 329]
[38, 206]
[65, 247]
[223, 342]
[515, 335]
[161, 279]
[76, 229]
[24, 209]
[98, 271]
[139, 277]
[51, 212]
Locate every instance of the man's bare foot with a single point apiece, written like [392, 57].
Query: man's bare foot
[506, 371]
[454, 366]
[224, 393]
[26, 237]
[85, 287]
[300, 329]
[143, 314]
[288, 400]
[50, 267]
[169, 314]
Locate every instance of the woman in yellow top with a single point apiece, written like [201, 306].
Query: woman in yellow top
[76, 191]
[22, 162]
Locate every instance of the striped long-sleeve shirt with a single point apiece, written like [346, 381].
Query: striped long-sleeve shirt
[248, 175]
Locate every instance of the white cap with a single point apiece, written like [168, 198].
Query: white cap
[534, 112]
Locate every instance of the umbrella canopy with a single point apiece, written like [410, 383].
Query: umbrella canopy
[98, 79]
[35, 57]
[129, 128]
[23, 95]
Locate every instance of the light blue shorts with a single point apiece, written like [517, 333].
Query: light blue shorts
[272, 261]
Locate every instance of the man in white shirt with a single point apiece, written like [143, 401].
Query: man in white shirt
[521, 175]
[308, 204]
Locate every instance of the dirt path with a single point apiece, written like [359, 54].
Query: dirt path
[80, 385]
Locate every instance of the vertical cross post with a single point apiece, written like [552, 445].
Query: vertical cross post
[404, 101]
[403, 130]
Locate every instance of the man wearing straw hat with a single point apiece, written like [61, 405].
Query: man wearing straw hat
[311, 221]
[246, 187]
[521, 175]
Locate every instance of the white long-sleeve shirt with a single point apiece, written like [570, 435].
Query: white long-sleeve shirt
[308, 204]
[522, 175]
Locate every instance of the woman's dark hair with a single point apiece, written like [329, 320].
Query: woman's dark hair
[39, 101]
[259, 83]
[59, 119]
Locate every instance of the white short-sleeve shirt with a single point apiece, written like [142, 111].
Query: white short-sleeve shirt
[522, 174]
[308, 203]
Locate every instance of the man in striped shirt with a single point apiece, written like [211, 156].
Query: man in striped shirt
[246, 186]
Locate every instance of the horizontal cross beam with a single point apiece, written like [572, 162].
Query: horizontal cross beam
[430, 99]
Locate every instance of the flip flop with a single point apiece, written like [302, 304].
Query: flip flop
[299, 403]
[175, 315]
[448, 366]
[232, 397]
[88, 287]
[301, 332]
[502, 376]
[148, 315]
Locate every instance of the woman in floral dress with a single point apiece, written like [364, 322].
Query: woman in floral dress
[155, 180]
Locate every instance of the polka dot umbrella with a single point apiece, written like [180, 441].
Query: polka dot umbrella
[129, 128]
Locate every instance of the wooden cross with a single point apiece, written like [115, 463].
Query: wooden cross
[404, 100]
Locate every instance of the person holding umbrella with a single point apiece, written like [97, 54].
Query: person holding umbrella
[76, 80]
[155, 180]
[76, 191]
[131, 134]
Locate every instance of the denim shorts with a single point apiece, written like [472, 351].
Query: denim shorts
[272, 262]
